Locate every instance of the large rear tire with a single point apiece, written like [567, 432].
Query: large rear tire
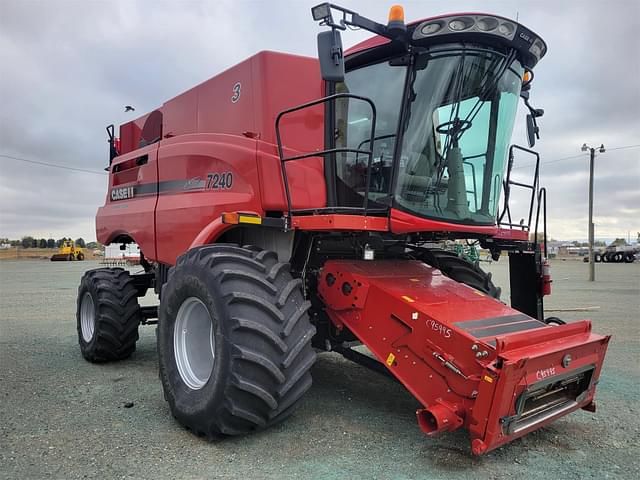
[460, 270]
[108, 315]
[234, 340]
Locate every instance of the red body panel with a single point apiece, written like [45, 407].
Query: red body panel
[465, 356]
[306, 180]
[134, 218]
[185, 208]
[340, 222]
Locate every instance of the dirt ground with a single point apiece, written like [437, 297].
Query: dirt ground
[61, 417]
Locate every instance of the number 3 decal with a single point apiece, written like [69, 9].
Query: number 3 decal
[236, 93]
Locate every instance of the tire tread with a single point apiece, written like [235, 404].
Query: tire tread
[117, 315]
[268, 332]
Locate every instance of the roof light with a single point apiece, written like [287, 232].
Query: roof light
[431, 28]
[471, 25]
[396, 26]
[461, 23]
[506, 29]
[396, 14]
[537, 48]
[487, 24]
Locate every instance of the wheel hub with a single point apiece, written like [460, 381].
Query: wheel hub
[87, 317]
[193, 343]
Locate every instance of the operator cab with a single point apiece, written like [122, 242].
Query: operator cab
[457, 103]
[445, 92]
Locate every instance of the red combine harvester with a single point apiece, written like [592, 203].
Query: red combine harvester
[292, 204]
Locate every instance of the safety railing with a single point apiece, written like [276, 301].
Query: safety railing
[508, 183]
[538, 198]
[364, 210]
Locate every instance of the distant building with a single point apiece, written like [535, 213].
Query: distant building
[5, 246]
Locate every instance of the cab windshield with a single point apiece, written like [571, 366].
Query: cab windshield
[456, 127]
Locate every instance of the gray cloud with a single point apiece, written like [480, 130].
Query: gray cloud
[69, 67]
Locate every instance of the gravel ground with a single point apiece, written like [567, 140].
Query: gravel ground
[62, 417]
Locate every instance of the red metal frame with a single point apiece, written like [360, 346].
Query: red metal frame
[340, 222]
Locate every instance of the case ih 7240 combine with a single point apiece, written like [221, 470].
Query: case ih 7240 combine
[291, 204]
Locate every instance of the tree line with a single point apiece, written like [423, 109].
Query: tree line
[31, 242]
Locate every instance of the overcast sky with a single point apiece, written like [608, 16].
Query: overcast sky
[67, 68]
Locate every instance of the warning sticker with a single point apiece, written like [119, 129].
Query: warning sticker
[390, 359]
[487, 378]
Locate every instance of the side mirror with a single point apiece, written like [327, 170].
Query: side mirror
[532, 130]
[330, 56]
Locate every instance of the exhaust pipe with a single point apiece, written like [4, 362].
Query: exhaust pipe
[437, 419]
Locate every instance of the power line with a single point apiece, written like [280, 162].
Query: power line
[52, 165]
[551, 161]
[101, 173]
[625, 147]
[574, 156]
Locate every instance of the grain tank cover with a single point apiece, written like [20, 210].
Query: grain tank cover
[243, 100]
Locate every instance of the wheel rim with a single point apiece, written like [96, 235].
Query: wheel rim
[193, 343]
[87, 317]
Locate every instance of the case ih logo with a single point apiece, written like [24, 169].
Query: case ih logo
[122, 193]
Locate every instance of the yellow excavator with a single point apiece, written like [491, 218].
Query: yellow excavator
[68, 252]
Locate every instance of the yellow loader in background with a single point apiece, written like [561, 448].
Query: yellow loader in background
[68, 252]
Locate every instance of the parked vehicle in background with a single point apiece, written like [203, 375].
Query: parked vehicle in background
[68, 251]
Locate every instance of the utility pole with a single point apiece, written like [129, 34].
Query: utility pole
[592, 152]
